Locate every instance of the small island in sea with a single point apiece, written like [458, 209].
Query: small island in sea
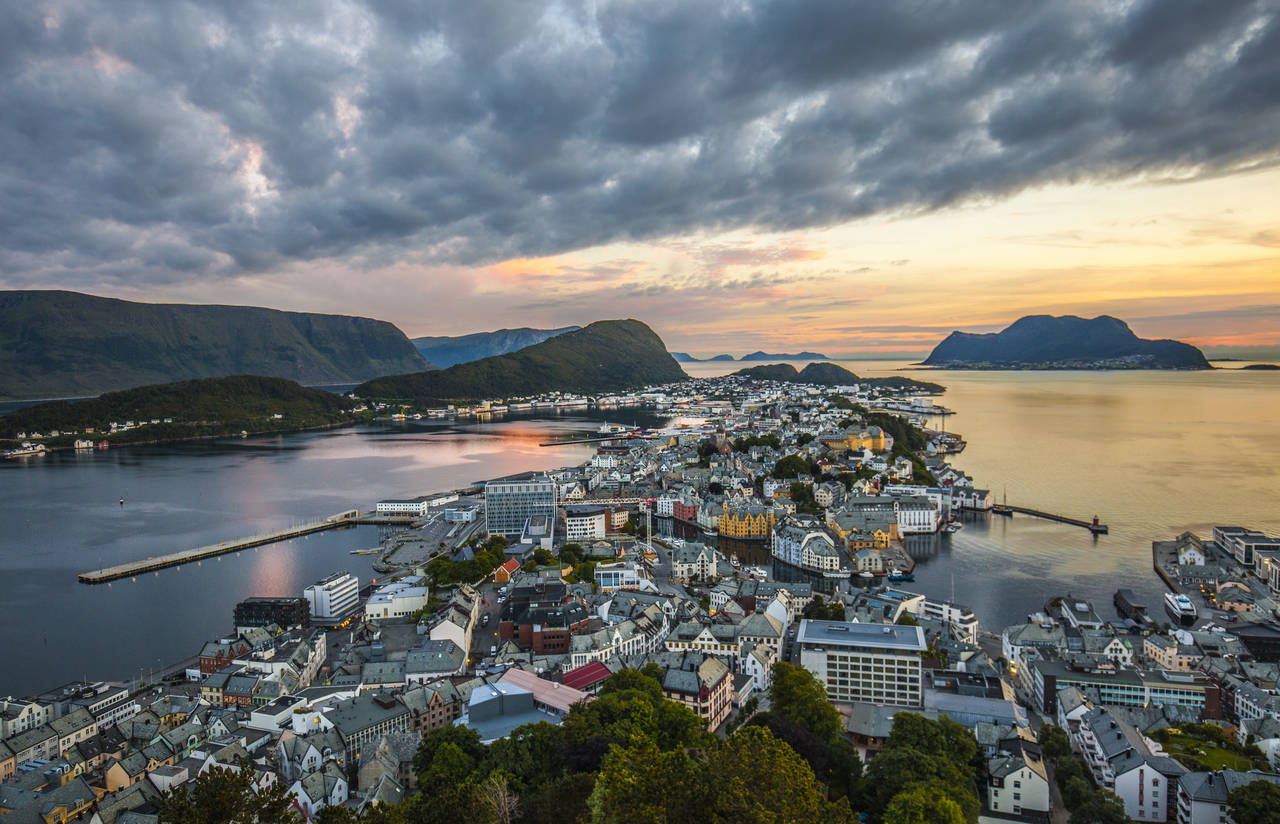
[1065, 342]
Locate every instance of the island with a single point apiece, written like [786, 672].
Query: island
[1065, 342]
[796, 356]
[1263, 367]
[830, 374]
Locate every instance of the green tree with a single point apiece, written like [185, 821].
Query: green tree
[1257, 802]
[226, 796]
[1054, 742]
[800, 698]
[464, 740]
[1075, 791]
[561, 800]
[899, 769]
[640, 784]
[790, 467]
[906, 619]
[924, 805]
[758, 779]
[1102, 807]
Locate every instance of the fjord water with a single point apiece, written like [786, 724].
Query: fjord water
[1151, 453]
[61, 515]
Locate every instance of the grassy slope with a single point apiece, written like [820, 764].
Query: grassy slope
[231, 402]
[65, 344]
[606, 356]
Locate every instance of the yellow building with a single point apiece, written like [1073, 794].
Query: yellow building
[879, 539]
[873, 438]
[748, 522]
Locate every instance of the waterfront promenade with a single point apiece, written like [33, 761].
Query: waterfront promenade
[186, 556]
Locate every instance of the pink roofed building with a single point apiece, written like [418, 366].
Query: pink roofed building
[547, 695]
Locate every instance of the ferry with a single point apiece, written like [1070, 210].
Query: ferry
[1180, 608]
[612, 429]
[897, 576]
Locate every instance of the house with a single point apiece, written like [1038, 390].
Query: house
[502, 575]
[868, 560]
[1017, 781]
[434, 660]
[325, 787]
[703, 683]
[694, 560]
[588, 678]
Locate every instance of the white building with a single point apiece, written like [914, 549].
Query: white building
[1132, 766]
[877, 663]
[621, 575]
[584, 523]
[694, 560]
[333, 597]
[460, 515]
[398, 506]
[807, 548]
[1202, 796]
[1018, 782]
[397, 599]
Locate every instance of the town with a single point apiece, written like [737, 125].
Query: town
[756, 541]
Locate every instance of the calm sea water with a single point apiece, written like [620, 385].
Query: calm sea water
[1151, 453]
[61, 515]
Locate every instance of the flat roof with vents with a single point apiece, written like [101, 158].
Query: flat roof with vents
[846, 634]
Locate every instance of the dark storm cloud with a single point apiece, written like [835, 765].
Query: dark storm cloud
[185, 140]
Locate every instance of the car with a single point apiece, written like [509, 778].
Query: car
[484, 622]
[493, 650]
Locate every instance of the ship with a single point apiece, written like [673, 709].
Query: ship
[1128, 605]
[898, 576]
[1180, 608]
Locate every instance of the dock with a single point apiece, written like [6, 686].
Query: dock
[186, 556]
[1093, 526]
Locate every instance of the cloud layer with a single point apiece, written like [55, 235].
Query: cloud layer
[147, 143]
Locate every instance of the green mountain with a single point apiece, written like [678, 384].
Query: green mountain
[606, 356]
[1066, 342]
[829, 374]
[447, 351]
[67, 344]
[196, 407]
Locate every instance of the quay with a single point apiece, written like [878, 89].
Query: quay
[114, 573]
[1093, 526]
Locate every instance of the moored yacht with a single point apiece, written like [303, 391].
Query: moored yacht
[1180, 608]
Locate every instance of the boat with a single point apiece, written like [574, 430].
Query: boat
[1180, 608]
[898, 575]
[866, 574]
[952, 527]
[735, 562]
[1129, 606]
[27, 449]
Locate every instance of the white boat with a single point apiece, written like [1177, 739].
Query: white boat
[1180, 608]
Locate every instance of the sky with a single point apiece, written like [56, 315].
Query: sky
[852, 177]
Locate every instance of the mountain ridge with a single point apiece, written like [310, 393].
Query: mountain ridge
[1065, 341]
[56, 343]
[446, 351]
[605, 356]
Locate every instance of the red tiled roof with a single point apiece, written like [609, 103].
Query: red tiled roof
[587, 675]
[511, 565]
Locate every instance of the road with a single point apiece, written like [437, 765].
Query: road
[484, 638]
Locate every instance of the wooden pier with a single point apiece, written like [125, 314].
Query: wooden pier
[1093, 526]
[186, 556]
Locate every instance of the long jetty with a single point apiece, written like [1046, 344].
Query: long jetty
[1093, 526]
[186, 556]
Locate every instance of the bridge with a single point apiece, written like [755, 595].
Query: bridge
[186, 556]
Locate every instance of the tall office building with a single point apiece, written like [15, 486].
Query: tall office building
[333, 597]
[510, 502]
[878, 663]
